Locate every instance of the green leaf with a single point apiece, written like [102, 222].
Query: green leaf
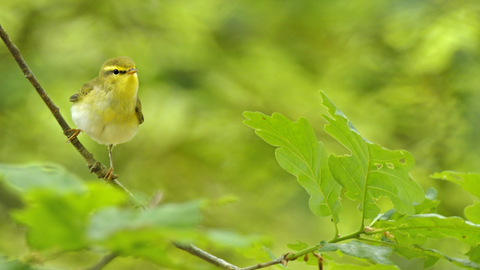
[174, 216]
[60, 220]
[429, 205]
[300, 154]
[456, 261]
[298, 246]
[146, 234]
[256, 252]
[433, 226]
[334, 266]
[472, 212]
[378, 254]
[474, 254]
[14, 265]
[224, 238]
[273, 257]
[371, 171]
[29, 177]
[410, 248]
[470, 182]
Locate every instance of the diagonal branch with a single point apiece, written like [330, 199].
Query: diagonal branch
[222, 263]
[94, 166]
[103, 262]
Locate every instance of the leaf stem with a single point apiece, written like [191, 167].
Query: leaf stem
[346, 237]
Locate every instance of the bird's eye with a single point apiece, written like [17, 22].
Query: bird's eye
[115, 71]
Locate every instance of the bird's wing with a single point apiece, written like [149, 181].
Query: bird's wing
[138, 111]
[86, 88]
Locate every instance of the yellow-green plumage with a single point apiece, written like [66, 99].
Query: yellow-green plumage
[107, 108]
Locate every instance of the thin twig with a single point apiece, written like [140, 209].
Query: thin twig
[94, 166]
[205, 256]
[222, 263]
[104, 261]
[155, 200]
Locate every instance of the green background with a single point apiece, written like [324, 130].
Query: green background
[406, 73]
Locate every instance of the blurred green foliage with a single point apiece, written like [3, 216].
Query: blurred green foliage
[405, 72]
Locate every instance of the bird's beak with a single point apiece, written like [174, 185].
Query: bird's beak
[132, 71]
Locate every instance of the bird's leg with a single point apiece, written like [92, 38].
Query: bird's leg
[76, 132]
[109, 174]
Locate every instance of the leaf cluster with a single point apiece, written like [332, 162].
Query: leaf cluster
[366, 174]
[62, 214]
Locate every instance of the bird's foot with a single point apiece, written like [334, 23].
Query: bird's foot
[74, 135]
[109, 175]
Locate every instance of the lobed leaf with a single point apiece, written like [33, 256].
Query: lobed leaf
[230, 239]
[429, 205]
[433, 226]
[14, 265]
[370, 171]
[146, 234]
[474, 254]
[334, 266]
[456, 261]
[470, 182]
[472, 212]
[60, 220]
[300, 154]
[24, 178]
[298, 246]
[409, 247]
[378, 254]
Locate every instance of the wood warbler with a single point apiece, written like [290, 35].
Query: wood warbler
[107, 108]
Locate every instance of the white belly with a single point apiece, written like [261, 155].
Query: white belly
[104, 123]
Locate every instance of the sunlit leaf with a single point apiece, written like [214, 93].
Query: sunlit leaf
[456, 261]
[474, 254]
[29, 177]
[470, 182]
[434, 226]
[409, 247]
[60, 221]
[298, 246]
[334, 266]
[472, 212]
[378, 254]
[300, 154]
[175, 216]
[257, 252]
[145, 234]
[228, 239]
[429, 205]
[371, 171]
[273, 257]
[14, 265]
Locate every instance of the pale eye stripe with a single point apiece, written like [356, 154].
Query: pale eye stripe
[113, 67]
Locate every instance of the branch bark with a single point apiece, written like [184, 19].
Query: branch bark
[103, 262]
[222, 263]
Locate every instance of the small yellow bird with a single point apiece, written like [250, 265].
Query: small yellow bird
[107, 108]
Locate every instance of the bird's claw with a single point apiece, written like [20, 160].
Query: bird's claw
[76, 132]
